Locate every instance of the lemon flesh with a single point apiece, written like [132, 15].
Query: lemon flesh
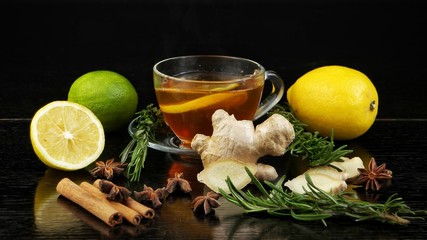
[334, 98]
[66, 135]
[206, 101]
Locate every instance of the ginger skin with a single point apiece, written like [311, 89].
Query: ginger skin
[265, 172]
[240, 140]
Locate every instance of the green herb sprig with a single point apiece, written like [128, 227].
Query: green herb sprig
[317, 205]
[149, 121]
[316, 149]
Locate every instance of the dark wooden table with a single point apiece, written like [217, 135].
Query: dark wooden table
[31, 207]
[48, 45]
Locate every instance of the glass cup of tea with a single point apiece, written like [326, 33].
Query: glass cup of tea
[189, 89]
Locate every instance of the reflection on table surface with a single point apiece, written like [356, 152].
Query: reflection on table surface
[54, 215]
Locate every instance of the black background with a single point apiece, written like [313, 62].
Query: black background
[48, 44]
[45, 45]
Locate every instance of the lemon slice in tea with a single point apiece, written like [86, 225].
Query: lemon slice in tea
[66, 135]
[233, 98]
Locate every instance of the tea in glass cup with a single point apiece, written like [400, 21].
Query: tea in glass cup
[189, 89]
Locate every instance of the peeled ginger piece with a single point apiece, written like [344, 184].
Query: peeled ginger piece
[328, 178]
[322, 181]
[215, 174]
[350, 166]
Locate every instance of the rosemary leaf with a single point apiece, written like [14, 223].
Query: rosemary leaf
[318, 150]
[317, 204]
[149, 121]
[309, 216]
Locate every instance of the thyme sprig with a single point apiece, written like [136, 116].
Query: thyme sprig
[316, 149]
[317, 205]
[149, 121]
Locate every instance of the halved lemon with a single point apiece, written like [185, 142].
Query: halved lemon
[66, 135]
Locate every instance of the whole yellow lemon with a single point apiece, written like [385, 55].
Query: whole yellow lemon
[109, 95]
[335, 98]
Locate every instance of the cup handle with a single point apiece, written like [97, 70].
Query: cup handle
[275, 95]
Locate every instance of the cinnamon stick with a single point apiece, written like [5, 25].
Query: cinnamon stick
[141, 208]
[91, 220]
[129, 214]
[78, 195]
[145, 211]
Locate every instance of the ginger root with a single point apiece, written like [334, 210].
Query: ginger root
[350, 166]
[241, 141]
[327, 178]
[215, 174]
[322, 181]
[265, 172]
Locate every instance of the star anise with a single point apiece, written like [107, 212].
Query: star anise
[115, 193]
[372, 177]
[108, 170]
[148, 194]
[206, 203]
[178, 181]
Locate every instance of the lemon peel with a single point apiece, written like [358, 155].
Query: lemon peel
[334, 98]
[66, 135]
[205, 101]
[228, 87]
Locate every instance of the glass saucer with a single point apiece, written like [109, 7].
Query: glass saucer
[165, 142]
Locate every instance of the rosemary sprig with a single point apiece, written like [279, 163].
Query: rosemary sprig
[317, 150]
[317, 204]
[149, 121]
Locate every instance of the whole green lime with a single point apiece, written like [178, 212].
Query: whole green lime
[110, 96]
